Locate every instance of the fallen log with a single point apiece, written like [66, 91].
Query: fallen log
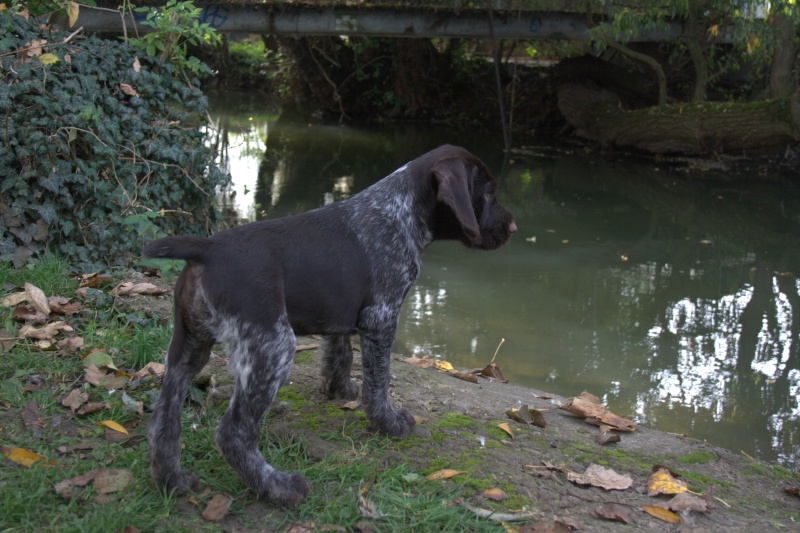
[760, 128]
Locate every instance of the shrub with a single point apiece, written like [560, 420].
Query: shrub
[96, 137]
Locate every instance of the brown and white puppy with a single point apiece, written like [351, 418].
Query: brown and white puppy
[338, 270]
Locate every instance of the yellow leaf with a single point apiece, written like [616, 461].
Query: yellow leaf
[110, 424]
[444, 366]
[504, 426]
[662, 482]
[714, 30]
[48, 59]
[444, 474]
[662, 514]
[20, 456]
[73, 10]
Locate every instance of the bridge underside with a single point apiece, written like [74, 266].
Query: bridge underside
[384, 21]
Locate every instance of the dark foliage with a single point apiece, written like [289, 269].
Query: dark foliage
[96, 147]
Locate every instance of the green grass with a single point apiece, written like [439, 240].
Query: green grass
[402, 499]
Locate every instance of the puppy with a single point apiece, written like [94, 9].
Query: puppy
[338, 270]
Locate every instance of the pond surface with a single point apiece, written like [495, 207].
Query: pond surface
[671, 294]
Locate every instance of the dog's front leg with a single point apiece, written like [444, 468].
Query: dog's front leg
[375, 357]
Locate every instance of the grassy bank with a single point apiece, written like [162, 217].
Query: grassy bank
[351, 488]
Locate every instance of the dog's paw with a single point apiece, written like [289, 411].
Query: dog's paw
[286, 490]
[346, 390]
[179, 482]
[398, 423]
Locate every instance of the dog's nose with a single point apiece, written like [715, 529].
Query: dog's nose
[512, 228]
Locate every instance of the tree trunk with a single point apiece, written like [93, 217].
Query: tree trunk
[699, 62]
[780, 77]
[759, 128]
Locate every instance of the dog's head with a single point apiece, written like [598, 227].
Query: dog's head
[467, 209]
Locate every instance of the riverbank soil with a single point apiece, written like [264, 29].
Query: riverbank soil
[524, 477]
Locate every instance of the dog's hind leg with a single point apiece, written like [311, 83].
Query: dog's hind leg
[187, 355]
[337, 361]
[261, 362]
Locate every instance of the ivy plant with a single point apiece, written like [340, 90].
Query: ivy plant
[93, 132]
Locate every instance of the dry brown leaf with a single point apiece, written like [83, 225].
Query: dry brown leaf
[605, 435]
[494, 494]
[26, 313]
[155, 370]
[527, 415]
[127, 89]
[424, 362]
[583, 407]
[445, 473]
[70, 344]
[14, 299]
[74, 400]
[465, 375]
[688, 502]
[662, 514]
[794, 491]
[598, 476]
[616, 422]
[217, 508]
[37, 298]
[93, 280]
[129, 288]
[64, 488]
[108, 480]
[93, 407]
[94, 375]
[662, 482]
[63, 306]
[612, 511]
[492, 371]
[45, 333]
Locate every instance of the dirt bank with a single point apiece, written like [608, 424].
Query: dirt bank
[460, 431]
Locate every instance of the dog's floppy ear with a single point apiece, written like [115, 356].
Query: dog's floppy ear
[451, 176]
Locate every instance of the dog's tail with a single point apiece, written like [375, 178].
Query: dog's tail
[178, 247]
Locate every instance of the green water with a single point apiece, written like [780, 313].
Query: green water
[670, 294]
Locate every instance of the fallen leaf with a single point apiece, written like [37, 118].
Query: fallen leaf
[662, 482]
[20, 456]
[504, 426]
[99, 359]
[37, 298]
[108, 480]
[583, 407]
[129, 288]
[70, 344]
[217, 508]
[492, 371]
[444, 366]
[25, 313]
[93, 407]
[155, 370]
[688, 502]
[352, 405]
[129, 404]
[94, 375]
[605, 435]
[494, 494]
[64, 488]
[63, 306]
[14, 299]
[47, 332]
[465, 375]
[93, 280]
[794, 491]
[527, 415]
[662, 514]
[446, 473]
[110, 424]
[424, 362]
[614, 421]
[613, 512]
[48, 59]
[73, 10]
[598, 476]
[127, 89]
[74, 400]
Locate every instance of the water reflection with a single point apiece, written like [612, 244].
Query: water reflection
[670, 295]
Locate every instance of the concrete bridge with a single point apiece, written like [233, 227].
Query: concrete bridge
[504, 20]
